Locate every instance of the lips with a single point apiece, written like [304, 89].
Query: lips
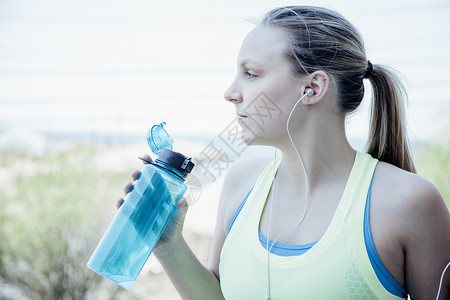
[241, 118]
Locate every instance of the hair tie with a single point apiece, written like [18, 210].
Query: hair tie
[369, 70]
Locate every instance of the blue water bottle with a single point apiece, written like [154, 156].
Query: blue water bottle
[140, 221]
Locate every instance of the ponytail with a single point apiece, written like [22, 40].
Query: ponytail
[321, 39]
[388, 141]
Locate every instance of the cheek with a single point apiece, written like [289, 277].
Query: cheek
[264, 124]
[268, 104]
[273, 92]
[283, 90]
[283, 99]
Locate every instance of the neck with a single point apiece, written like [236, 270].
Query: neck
[326, 154]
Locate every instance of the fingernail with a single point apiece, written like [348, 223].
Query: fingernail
[145, 160]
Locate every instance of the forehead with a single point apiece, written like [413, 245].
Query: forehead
[264, 45]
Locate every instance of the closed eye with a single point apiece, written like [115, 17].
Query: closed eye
[250, 75]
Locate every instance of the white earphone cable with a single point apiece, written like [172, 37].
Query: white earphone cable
[309, 93]
[440, 282]
[268, 230]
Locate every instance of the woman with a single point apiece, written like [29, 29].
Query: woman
[338, 224]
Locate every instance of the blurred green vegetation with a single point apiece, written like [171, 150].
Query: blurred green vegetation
[51, 220]
[433, 163]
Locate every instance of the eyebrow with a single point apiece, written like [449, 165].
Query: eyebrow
[249, 61]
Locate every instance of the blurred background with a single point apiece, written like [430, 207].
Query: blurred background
[82, 81]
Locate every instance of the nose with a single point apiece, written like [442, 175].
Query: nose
[233, 94]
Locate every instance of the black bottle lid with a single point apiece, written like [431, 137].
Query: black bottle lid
[178, 161]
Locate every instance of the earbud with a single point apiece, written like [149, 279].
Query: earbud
[309, 92]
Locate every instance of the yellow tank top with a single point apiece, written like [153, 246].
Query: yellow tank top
[336, 267]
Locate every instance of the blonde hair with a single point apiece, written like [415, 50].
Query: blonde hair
[321, 39]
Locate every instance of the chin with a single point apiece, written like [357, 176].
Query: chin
[248, 140]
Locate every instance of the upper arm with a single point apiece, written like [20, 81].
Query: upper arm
[427, 241]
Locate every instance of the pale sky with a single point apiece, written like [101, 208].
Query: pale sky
[121, 66]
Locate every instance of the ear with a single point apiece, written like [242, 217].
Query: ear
[319, 81]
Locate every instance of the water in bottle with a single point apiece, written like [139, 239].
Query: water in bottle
[140, 221]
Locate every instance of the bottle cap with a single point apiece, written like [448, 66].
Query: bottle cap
[159, 139]
[178, 161]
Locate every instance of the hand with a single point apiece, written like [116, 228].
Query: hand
[127, 186]
[174, 228]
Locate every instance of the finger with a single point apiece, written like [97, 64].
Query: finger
[127, 187]
[182, 203]
[135, 174]
[119, 202]
[146, 159]
[180, 214]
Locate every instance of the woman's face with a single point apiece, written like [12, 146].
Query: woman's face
[265, 88]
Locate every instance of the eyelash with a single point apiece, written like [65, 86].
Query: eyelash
[250, 75]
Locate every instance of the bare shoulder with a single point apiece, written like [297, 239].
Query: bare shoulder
[406, 196]
[238, 182]
[411, 229]
[406, 191]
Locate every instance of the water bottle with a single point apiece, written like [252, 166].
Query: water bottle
[140, 221]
